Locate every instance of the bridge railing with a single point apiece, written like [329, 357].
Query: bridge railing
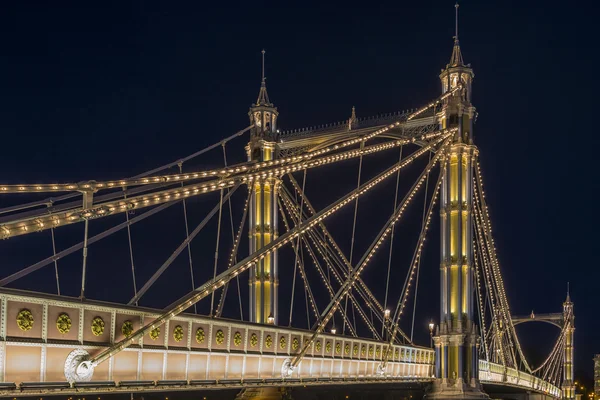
[496, 373]
[38, 332]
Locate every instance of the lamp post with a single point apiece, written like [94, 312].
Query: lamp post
[431, 326]
[271, 319]
[333, 330]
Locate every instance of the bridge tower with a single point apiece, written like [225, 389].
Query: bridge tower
[457, 337]
[568, 386]
[263, 211]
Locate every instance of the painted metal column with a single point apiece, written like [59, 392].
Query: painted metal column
[568, 386]
[263, 211]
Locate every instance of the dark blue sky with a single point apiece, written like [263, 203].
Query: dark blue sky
[109, 91]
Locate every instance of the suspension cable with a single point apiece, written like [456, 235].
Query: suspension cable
[360, 161]
[418, 249]
[209, 287]
[131, 250]
[297, 248]
[389, 268]
[212, 297]
[55, 261]
[342, 262]
[495, 265]
[368, 255]
[237, 278]
[233, 260]
[22, 188]
[179, 249]
[187, 236]
[362, 289]
[412, 328]
[480, 301]
[35, 222]
[40, 264]
[291, 209]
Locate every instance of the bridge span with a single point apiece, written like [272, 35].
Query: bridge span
[191, 352]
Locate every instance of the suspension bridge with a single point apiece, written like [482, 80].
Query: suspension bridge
[51, 343]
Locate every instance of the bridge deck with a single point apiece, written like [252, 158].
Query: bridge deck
[189, 348]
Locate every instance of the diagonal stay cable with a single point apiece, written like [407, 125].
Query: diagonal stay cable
[40, 264]
[342, 271]
[207, 288]
[34, 223]
[288, 201]
[416, 257]
[344, 260]
[178, 251]
[360, 266]
[233, 260]
[289, 206]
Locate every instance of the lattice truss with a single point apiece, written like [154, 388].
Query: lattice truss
[319, 260]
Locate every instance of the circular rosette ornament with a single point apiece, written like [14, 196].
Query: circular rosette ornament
[268, 341]
[25, 320]
[63, 323]
[200, 335]
[237, 339]
[127, 328]
[178, 333]
[155, 333]
[253, 340]
[97, 326]
[220, 337]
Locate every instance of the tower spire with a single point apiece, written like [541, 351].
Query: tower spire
[456, 21]
[263, 97]
[568, 300]
[456, 59]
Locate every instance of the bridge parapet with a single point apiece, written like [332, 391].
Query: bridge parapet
[497, 374]
[39, 331]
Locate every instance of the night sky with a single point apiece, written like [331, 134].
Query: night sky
[114, 90]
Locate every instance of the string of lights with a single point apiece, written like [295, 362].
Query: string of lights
[291, 209]
[44, 221]
[336, 253]
[209, 287]
[416, 257]
[320, 245]
[233, 255]
[496, 267]
[367, 257]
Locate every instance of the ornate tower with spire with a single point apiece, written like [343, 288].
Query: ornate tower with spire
[457, 336]
[568, 386]
[263, 211]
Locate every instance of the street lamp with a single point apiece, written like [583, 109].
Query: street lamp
[333, 330]
[431, 326]
[386, 314]
[270, 319]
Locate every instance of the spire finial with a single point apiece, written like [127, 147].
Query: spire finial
[456, 21]
[263, 97]
[263, 65]
[568, 293]
[456, 59]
